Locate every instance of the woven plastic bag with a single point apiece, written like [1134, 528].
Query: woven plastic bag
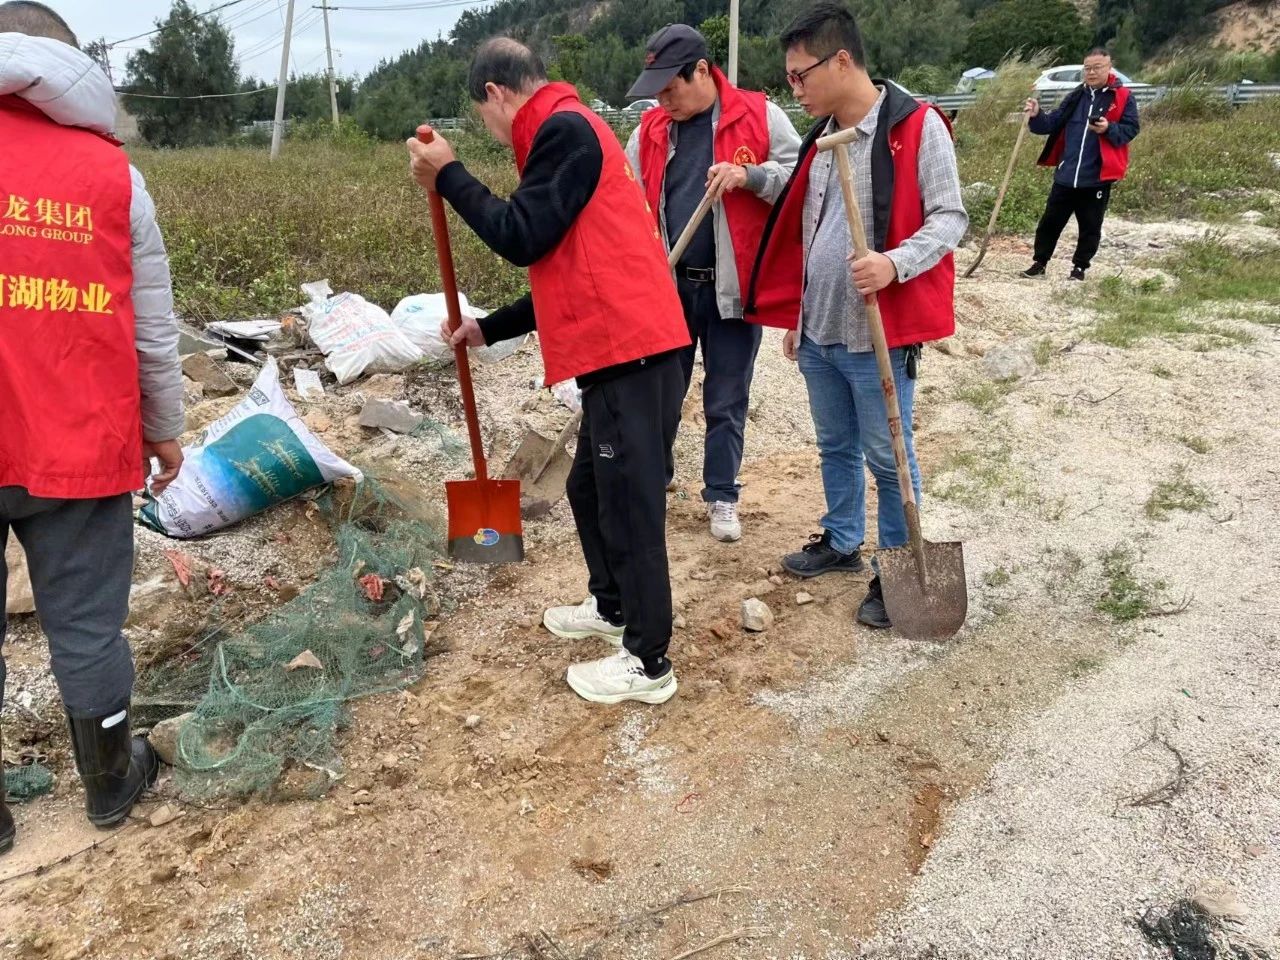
[355, 336]
[258, 455]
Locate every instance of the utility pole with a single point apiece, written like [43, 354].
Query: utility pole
[106, 62]
[328, 49]
[733, 41]
[278, 129]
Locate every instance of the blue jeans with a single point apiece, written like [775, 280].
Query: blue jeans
[848, 414]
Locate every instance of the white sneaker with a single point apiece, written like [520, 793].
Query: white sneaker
[724, 521]
[618, 678]
[581, 622]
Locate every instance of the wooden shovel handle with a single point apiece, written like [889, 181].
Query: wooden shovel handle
[690, 228]
[887, 383]
[448, 280]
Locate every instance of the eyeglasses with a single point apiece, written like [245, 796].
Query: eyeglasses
[796, 78]
[1097, 68]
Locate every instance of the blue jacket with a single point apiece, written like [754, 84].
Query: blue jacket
[1080, 164]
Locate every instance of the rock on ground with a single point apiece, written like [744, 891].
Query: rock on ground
[1011, 361]
[756, 615]
[201, 368]
[394, 415]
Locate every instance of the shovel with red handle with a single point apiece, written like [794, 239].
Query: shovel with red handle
[484, 514]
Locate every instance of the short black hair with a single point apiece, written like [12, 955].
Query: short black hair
[35, 20]
[1097, 52]
[507, 63]
[824, 30]
[689, 69]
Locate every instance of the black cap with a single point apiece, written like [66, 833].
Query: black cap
[667, 51]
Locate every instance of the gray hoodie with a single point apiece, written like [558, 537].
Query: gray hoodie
[68, 87]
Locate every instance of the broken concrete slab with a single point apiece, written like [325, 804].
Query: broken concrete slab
[201, 368]
[18, 597]
[394, 415]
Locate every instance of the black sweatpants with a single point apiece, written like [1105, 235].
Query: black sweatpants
[1088, 206]
[80, 557]
[617, 490]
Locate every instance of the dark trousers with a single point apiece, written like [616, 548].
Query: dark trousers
[1089, 206]
[729, 348]
[617, 489]
[80, 556]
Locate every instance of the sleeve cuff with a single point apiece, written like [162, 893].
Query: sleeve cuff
[757, 179]
[901, 266]
[487, 328]
[451, 178]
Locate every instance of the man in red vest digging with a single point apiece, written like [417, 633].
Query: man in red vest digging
[806, 281]
[707, 133]
[90, 386]
[1088, 149]
[606, 311]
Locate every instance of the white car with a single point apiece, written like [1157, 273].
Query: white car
[640, 106]
[1070, 77]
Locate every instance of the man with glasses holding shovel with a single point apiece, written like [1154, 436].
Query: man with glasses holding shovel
[808, 281]
[709, 142]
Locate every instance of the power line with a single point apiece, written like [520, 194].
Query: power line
[394, 8]
[196, 96]
[194, 16]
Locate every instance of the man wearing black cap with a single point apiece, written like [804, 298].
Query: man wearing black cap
[706, 134]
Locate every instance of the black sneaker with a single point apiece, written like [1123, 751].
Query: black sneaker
[818, 557]
[1035, 270]
[872, 611]
[1077, 273]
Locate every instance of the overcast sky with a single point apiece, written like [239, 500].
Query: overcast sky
[360, 37]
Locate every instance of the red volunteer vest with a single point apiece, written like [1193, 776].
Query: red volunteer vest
[1115, 160]
[917, 311]
[70, 409]
[742, 137]
[604, 295]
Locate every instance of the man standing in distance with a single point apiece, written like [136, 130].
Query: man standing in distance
[606, 311]
[1088, 148]
[90, 386]
[808, 282]
[707, 133]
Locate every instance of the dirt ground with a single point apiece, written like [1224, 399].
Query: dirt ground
[816, 791]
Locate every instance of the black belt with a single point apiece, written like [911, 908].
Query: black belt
[697, 274]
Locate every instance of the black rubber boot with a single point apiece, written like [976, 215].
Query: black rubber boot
[7, 828]
[872, 611]
[1035, 270]
[115, 766]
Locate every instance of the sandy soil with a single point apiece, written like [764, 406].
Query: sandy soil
[818, 791]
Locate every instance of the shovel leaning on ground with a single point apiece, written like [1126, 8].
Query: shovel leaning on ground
[541, 465]
[1004, 187]
[484, 514]
[923, 583]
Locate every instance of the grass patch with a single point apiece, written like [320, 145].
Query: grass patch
[1208, 272]
[1198, 167]
[1176, 494]
[1042, 350]
[1164, 373]
[979, 477]
[1125, 596]
[1083, 666]
[984, 396]
[998, 577]
[1195, 444]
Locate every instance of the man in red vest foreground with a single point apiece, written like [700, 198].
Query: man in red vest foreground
[708, 133]
[1088, 148]
[90, 386]
[806, 281]
[606, 311]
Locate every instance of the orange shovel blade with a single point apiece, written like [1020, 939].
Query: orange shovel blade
[484, 521]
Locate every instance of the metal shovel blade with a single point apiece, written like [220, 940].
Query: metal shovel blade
[542, 466]
[936, 613]
[484, 521]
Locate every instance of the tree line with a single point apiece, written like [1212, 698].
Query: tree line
[924, 44]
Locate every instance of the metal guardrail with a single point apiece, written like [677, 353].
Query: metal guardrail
[1235, 94]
